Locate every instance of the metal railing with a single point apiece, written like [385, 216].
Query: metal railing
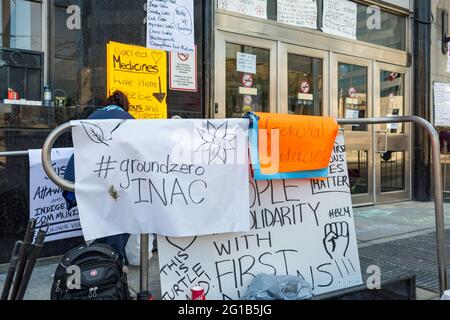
[438, 189]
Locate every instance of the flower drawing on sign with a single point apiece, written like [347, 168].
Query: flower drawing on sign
[97, 134]
[260, 10]
[223, 4]
[216, 141]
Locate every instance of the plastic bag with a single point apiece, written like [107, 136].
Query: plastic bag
[272, 287]
[133, 249]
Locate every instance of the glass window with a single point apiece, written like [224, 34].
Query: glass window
[247, 84]
[21, 25]
[305, 85]
[352, 94]
[64, 70]
[392, 98]
[391, 33]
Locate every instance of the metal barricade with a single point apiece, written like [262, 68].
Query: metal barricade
[437, 176]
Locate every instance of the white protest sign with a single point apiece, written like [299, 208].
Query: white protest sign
[183, 71]
[246, 63]
[301, 13]
[254, 8]
[448, 58]
[170, 25]
[299, 227]
[340, 18]
[46, 202]
[442, 104]
[168, 177]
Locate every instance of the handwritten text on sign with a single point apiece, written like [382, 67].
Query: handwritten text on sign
[340, 18]
[442, 104]
[301, 13]
[141, 74]
[169, 177]
[299, 227]
[254, 8]
[170, 25]
[46, 202]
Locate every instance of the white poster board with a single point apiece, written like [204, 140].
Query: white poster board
[254, 8]
[300, 13]
[246, 63]
[170, 25]
[448, 58]
[340, 18]
[183, 71]
[168, 177]
[46, 202]
[442, 104]
[299, 227]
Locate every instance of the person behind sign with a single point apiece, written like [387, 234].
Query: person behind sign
[115, 107]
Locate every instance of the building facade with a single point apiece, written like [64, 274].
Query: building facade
[260, 60]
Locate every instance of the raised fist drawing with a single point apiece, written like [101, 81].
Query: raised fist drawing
[337, 239]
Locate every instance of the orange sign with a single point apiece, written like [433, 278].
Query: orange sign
[289, 143]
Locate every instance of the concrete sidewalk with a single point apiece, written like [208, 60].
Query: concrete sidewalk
[377, 225]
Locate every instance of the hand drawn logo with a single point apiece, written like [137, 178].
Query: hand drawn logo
[223, 4]
[217, 141]
[184, 245]
[337, 239]
[97, 134]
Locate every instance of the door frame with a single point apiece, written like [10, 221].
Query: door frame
[283, 94]
[361, 140]
[404, 195]
[221, 39]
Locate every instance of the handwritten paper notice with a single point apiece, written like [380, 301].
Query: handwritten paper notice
[254, 8]
[170, 25]
[246, 63]
[183, 71]
[141, 74]
[168, 177]
[340, 18]
[442, 104]
[289, 143]
[299, 227]
[46, 202]
[301, 13]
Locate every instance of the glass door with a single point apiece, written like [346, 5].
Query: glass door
[392, 143]
[303, 81]
[246, 75]
[352, 99]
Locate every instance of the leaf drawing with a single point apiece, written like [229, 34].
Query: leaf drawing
[113, 193]
[94, 132]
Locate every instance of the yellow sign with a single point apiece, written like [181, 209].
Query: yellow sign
[141, 74]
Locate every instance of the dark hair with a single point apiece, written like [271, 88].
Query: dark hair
[118, 98]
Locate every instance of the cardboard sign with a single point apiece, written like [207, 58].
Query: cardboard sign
[168, 177]
[141, 74]
[340, 18]
[442, 104]
[290, 143]
[183, 71]
[300, 13]
[246, 63]
[46, 202]
[254, 8]
[170, 25]
[299, 227]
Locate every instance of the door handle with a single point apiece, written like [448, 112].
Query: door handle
[385, 141]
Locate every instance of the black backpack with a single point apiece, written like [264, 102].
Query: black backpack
[102, 275]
